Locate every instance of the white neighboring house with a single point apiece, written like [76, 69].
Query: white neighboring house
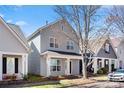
[13, 51]
[119, 46]
[53, 52]
[105, 55]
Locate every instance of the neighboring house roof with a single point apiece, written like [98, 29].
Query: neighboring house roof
[16, 31]
[96, 44]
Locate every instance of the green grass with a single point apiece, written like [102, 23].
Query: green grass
[33, 77]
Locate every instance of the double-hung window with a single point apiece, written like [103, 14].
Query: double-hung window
[55, 65]
[70, 45]
[53, 42]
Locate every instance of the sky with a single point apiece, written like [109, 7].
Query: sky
[32, 17]
[29, 18]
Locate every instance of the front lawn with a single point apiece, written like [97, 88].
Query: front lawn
[65, 83]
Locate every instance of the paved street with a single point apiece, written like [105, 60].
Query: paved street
[103, 84]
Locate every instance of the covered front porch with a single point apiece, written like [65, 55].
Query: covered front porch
[62, 64]
[13, 64]
[109, 63]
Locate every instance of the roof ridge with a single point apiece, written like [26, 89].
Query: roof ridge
[44, 26]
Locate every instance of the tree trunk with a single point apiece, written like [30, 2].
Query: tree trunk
[84, 69]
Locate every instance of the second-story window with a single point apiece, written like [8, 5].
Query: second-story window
[107, 47]
[70, 45]
[53, 42]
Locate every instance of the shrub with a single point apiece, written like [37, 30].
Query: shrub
[34, 77]
[25, 77]
[105, 70]
[100, 71]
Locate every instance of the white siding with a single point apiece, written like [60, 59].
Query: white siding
[120, 52]
[74, 67]
[8, 42]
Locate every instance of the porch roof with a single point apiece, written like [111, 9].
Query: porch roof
[62, 54]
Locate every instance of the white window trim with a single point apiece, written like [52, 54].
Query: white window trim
[107, 47]
[54, 42]
[55, 65]
[70, 43]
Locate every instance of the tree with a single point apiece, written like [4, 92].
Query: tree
[83, 19]
[116, 18]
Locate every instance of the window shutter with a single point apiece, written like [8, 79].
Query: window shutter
[4, 65]
[16, 65]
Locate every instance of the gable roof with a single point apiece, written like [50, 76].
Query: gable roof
[98, 43]
[16, 31]
[46, 26]
[43, 27]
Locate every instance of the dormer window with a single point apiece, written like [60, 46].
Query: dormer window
[107, 47]
[53, 42]
[70, 45]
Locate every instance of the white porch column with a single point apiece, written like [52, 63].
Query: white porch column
[67, 69]
[23, 65]
[95, 65]
[117, 64]
[110, 65]
[48, 66]
[0, 66]
[103, 63]
[26, 64]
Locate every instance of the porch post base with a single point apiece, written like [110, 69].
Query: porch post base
[48, 66]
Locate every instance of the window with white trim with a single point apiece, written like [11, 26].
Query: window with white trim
[53, 42]
[55, 65]
[107, 47]
[70, 45]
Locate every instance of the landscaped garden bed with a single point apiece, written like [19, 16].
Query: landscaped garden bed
[31, 78]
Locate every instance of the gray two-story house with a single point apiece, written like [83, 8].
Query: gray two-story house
[54, 51]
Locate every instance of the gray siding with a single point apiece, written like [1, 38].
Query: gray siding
[103, 54]
[75, 67]
[34, 56]
[57, 32]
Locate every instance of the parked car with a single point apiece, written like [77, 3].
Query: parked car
[117, 75]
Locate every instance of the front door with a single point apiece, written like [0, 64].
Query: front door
[80, 67]
[10, 65]
[70, 67]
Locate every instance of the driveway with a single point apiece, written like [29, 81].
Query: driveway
[101, 84]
